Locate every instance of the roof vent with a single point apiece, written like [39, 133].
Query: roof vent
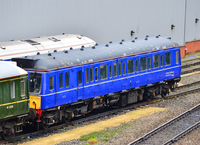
[147, 35]
[133, 41]
[71, 48]
[31, 42]
[146, 38]
[110, 42]
[93, 47]
[54, 58]
[157, 36]
[136, 38]
[82, 48]
[107, 45]
[79, 37]
[120, 43]
[96, 44]
[53, 39]
[3, 47]
[25, 56]
[63, 33]
[169, 38]
[122, 40]
[65, 51]
[55, 51]
[49, 54]
[38, 53]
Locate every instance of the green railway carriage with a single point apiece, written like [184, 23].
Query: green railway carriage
[14, 98]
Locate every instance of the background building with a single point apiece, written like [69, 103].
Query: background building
[102, 20]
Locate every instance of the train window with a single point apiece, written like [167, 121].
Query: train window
[23, 88]
[149, 61]
[120, 68]
[51, 83]
[143, 63]
[177, 57]
[168, 58]
[79, 77]
[60, 80]
[130, 66]
[115, 69]
[66, 79]
[96, 73]
[103, 72]
[91, 74]
[156, 61]
[161, 60]
[12, 89]
[110, 71]
[137, 65]
[86, 75]
[35, 82]
[124, 68]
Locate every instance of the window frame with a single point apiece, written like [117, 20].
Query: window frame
[141, 64]
[66, 80]
[170, 58]
[12, 89]
[131, 65]
[86, 75]
[23, 95]
[60, 80]
[156, 54]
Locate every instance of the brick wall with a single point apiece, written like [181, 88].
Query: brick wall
[192, 47]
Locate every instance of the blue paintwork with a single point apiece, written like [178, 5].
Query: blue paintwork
[73, 93]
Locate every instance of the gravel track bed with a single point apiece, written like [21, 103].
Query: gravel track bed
[190, 79]
[190, 62]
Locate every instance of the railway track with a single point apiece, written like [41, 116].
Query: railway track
[172, 130]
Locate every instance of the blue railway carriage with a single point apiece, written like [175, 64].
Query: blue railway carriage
[71, 83]
[14, 98]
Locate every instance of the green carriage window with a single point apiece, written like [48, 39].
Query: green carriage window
[120, 68]
[86, 75]
[149, 61]
[143, 63]
[130, 66]
[96, 73]
[177, 57]
[23, 89]
[66, 79]
[12, 89]
[155, 61]
[79, 77]
[60, 80]
[161, 60]
[115, 69]
[103, 72]
[137, 65]
[168, 58]
[51, 83]
[110, 71]
[124, 68]
[91, 74]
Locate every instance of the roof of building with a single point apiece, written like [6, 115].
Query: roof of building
[91, 54]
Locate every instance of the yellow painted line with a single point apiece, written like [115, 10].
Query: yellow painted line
[77, 133]
[179, 84]
[197, 72]
[18, 78]
[14, 102]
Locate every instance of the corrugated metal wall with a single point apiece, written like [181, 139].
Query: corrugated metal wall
[101, 20]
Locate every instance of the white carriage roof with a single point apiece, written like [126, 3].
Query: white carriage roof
[9, 69]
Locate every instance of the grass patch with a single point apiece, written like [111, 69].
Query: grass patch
[182, 78]
[104, 135]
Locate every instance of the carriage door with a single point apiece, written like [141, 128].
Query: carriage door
[52, 87]
[80, 86]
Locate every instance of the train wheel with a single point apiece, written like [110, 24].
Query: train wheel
[163, 94]
[45, 126]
